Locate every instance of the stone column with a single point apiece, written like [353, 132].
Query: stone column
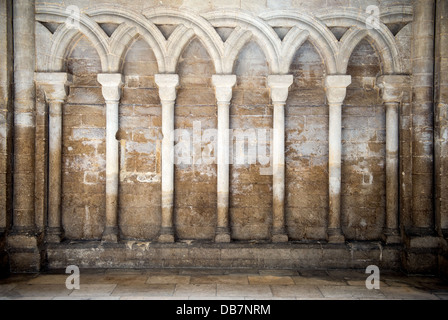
[223, 89]
[167, 84]
[55, 88]
[23, 242]
[441, 117]
[392, 92]
[279, 85]
[336, 88]
[111, 88]
[422, 117]
[24, 115]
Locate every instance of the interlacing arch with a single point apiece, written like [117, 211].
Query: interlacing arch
[247, 27]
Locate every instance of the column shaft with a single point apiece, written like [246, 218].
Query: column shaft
[279, 85]
[24, 115]
[167, 171]
[223, 91]
[112, 171]
[336, 89]
[335, 151]
[278, 159]
[167, 84]
[111, 88]
[223, 232]
[55, 172]
[392, 181]
[422, 119]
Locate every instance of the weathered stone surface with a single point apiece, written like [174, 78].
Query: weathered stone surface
[189, 43]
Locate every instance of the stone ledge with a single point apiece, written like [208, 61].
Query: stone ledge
[134, 254]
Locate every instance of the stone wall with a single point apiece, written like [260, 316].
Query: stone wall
[373, 185]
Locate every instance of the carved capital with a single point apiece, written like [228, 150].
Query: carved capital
[54, 84]
[279, 85]
[392, 87]
[111, 85]
[167, 84]
[223, 86]
[336, 88]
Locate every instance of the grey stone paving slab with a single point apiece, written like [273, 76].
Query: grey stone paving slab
[228, 290]
[144, 290]
[350, 292]
[296, 291]
[38, 290]
[267, 279]
[89, 290]
[207, 290]
[168, 279]
[220, 279]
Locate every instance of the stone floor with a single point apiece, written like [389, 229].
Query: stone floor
[194, 284]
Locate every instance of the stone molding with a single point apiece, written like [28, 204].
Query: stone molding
[247, 27]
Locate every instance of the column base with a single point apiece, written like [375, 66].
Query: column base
[279, 235]
[335, 236]
[222, 235]
[54, 235]
[110, 235]
[391, 236]
[166, 235]
[23, 250]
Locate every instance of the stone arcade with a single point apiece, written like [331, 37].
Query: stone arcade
[356, 104]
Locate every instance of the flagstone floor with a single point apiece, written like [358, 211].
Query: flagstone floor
[203, 284]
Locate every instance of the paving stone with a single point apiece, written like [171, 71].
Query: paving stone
[144, 290]
[168, 279]
[88, 290]
[112, 278]
[270, 280]
[350, 292]
[207, 290]
[36, 290]
[318, 281]
[224, 279]
[229, 290]
[296, 291]
[407, 293]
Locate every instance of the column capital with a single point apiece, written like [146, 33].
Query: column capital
[223, 86]
[167, 84]
[392, 87]
[111, 85]
[279, 85]
[336, 88]
[54, 84]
